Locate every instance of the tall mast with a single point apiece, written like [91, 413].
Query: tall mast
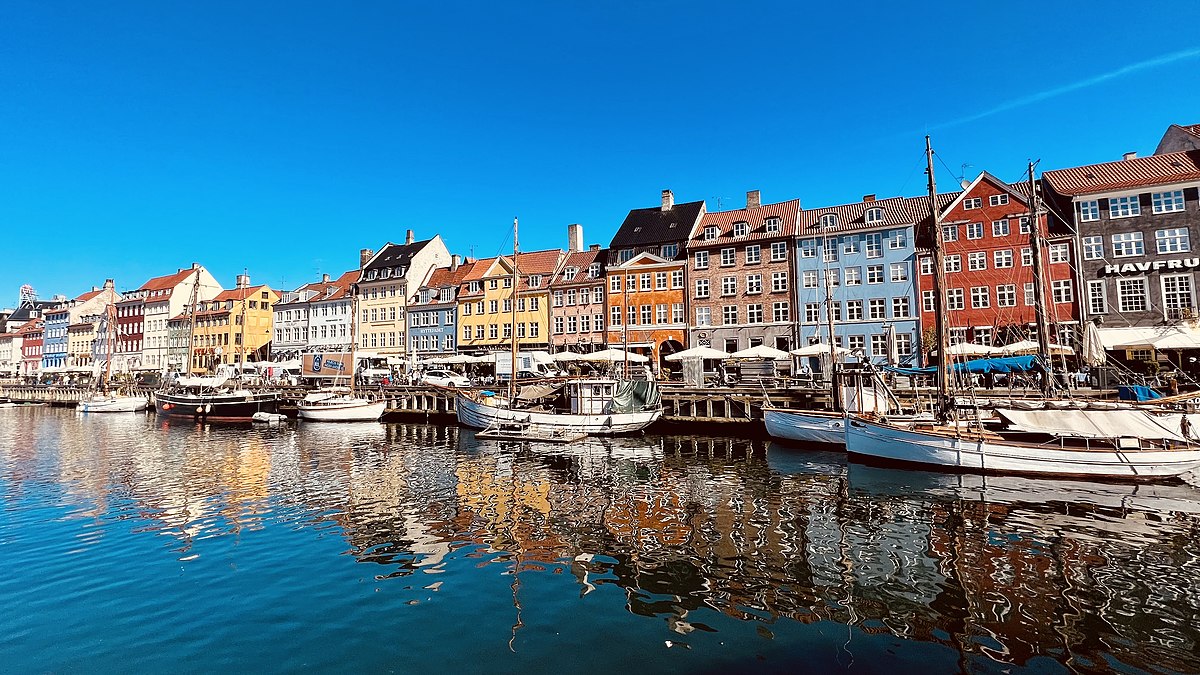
[833, 377]
[242, 345]
[1039, 280]
[516, 280]
[353, 339]
[192, 310]
[939, 292]
[110, 316]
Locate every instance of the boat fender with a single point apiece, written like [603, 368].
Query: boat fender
[199, 409]
[166, 406]
[207, 408]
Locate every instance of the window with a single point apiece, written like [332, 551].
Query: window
[1089, 211]
[740, 229]
[1128, 244]
[754, 283]
[535, 281]
[772, 224]
[754, 314]
[954, 298]
[1131, 295]
[829, 220]
[558, 324]
[900, 308]
[676, 279]
[997, 200]
[645, 279]
[873, 215]
[585, 323]
[677, 312]
[754, 254]
[631, 282]
[1166, 202]
[899, 271]
[781, 311]
[876, 308]
[660, 314]
[1026, 257]
[927, 304]
[832, 278]
[1030, 296]
[904, 344]
[779, 251]
[981, 297]
[977, 260]
[669, 251]
[926, 266]
[558, 299]
[853, 276]
[728, 257]
[1059, 253]
[728, 285]
[614, 316]
[952, 263]
[1006, 295]
[711, 232]
[571, 295]
[1174, 240]
[704, 316]
[1000, 228]
[466, 332]
[809, 278]
[1093, 248]
[1124, 207]
[949, 233]
[1178, 298]
[493, 331]
[899, 241]
[1024, 225]
[1097, 297]
[972, 203]
[647, 314]
[701, 260]
[660, 280]
[974, 230]
[702, 288]
[778, 282]
[850, 244]
[569, 274]
[1061, 290]
[631, 315]
[879, 344]
[614, 284]
[831, 250]
[729, 315]
[854, 310]
[808, 248]
[875, 245]
[856, 343]
[1002, 259]
[874, 274]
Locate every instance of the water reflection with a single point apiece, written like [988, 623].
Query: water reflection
[696, 533]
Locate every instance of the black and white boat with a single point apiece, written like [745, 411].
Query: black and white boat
[211, 398]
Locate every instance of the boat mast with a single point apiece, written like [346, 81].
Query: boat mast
[1039, 283]
[939, 293]
[516, 280]
[242, 342]
[353, 338]
[835, 389]
[192, 311]
[111, 319]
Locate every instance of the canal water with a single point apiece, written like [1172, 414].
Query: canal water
[129, 544]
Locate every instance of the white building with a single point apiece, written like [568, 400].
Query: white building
[164, 298]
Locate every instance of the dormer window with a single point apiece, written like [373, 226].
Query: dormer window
[569, 274]
[371, 274]
[829, 220]
[741, 229]
[535, 281]
[594, 270]
[711, 232]
[473, 286]
[772, 224]
[669, 251]
[874, 215]
[385, 272]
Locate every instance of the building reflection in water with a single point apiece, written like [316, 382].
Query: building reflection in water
[691, 531]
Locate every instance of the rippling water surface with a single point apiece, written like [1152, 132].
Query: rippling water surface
[131, 544]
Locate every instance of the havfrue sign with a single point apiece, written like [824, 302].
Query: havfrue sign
[1155, 266]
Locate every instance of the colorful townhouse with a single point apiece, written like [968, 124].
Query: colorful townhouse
[81, 341]
[433, 316]
[31, 347]
[10, 353]
[234, 327]
[387, 282]
[854, 266]
[740, 265]
[55, 349]
[991, 295]
[315, 317]
[646, 278]
[487, 300]
[577, 303]
[1137, 267]
[143, 318]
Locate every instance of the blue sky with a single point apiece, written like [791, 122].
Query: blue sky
[283, 137]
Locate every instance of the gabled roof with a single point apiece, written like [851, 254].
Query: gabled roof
[395, 255]
[755, 219]
[325, 290]
[655, 226]
[444, 276]
[89, 295]
[897, 211]
[580, 260]
[167, 282]
[985, 177]
[243, 293]
[1126, 174]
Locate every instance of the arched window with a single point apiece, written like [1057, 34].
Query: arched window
[874, 215]
[829, 220]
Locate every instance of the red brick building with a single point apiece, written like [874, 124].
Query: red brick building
[577, 298]
[31, 347]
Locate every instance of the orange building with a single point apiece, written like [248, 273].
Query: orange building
[646, 306]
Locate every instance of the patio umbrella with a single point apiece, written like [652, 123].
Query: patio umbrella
[760, 352]
[613, 356]
[1031, 347]
[698, 353]
[972, 349]
[817, 349]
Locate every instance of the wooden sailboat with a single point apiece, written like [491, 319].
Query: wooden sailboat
[101, 400]
[338, 405]
[1133, 448]
[591, 407]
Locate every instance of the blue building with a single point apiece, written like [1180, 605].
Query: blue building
[865, 252]
[432, 325]
[66, 312]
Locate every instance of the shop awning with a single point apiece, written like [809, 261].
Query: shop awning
[1155, 337]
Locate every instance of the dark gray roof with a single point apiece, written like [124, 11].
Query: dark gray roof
[396, 255]
[644, 227]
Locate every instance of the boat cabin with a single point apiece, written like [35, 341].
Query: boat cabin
[590, 397]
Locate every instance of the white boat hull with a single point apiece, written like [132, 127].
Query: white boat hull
[113, 404]
[887, 442]
[805, 426]
[341, 410]
[480, 416]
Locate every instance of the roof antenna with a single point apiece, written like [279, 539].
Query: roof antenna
[962, 175]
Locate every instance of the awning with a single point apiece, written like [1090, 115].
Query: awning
[532, 392]
[1156, 337]
[1004, 364]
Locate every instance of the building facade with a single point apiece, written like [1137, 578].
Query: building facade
[433, 316]
[81, 341]
[740, 266]
[492, 313]
[10, 354]
[234, 327]
[577, 297]
[55, 348]
[314, 318]
[386, 283]
[162, 299]
[31, 348]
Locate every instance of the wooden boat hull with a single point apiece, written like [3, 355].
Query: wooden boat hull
[221, 407]
[875, 440]
[113, 404]
[805, 426]
[341, 410]
[477, 415]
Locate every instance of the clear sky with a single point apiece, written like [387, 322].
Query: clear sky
[137, 137]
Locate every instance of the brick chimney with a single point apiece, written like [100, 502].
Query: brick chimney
[753, 199]
[455, 261]
[668, 200]
[1129, 155]
[363, 256]
[574, 238]
[594, 247]
[868, 198]
[408, 237]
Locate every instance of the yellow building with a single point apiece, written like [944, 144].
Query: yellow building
[485, 303]
[234, 327]
[81, 341]
[388, 280]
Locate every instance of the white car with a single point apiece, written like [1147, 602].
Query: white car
[444, 378]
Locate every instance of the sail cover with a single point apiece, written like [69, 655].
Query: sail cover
[634, 396]
[1004, 364]
[1089, 423]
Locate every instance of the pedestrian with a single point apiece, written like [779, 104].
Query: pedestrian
[1185, 427]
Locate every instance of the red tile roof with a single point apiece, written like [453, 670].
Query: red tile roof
[167, 282]
[243, 293]
[755, 219]
[89, 295]
[1126, 174]
[581, 260]
[444, 276]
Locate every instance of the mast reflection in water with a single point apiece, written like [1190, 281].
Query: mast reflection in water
[134, 543]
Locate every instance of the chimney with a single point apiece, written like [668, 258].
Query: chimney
[408, 237]
[363, 256]
[455, 261]
[753, 199]
[324, 278]
[594, 247]
[94, 289]
[574, 238]
[668, 200]
[1130, 155]
[108, 284]
[868, 198]
[243, 281]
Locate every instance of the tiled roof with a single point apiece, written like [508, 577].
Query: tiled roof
[396, 255]
[89, 295]
[325, 290]
[444, 276]
[852, 217]
[1126, 174]
[543, 263]
[243, 293]
[754, 218]
[581, 260]
[655, 226]
[167, 282]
